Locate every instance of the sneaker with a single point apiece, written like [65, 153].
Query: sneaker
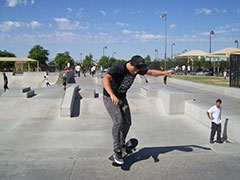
[117, 156]
[211, 141]
[219, 141]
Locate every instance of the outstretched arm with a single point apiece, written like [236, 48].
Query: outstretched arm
[154, 72]
[106, 84]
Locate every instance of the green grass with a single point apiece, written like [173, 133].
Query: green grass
[220, 81]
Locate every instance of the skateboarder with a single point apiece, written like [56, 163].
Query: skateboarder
[116, 84]
[214, 114]
[46, 81]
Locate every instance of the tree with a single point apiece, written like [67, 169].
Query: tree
[62, 59]
[112, 62]
[87, 62]
[38, 53]
[104, 62]
[147, 59]
[6, 65]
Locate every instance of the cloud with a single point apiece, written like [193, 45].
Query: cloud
[116, 11]
[103, 13]
[172, 26]
[147, 37]
[32, 1]
[35, 24]
[238, 11]
[235, 30]
[209, 11]
[121, 24]
[13, 3]
[203, 11]
[228, 26]
[215, 32]
[65, 24]
[220, 11]
[69, 10]
[9, 25]
[79, 13]
[126, 31]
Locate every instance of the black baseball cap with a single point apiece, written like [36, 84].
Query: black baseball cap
[138, 62]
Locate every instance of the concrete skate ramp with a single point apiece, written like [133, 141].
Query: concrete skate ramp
[30, 79]
[145, 106]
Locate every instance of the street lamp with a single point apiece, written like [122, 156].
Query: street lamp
[156, 54]
[80, 57]
[173, 44]
[165, 55]
[105, 47]
[236, 41]
[113, 54]
[210, 41]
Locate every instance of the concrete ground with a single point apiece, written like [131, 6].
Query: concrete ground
[35, 143]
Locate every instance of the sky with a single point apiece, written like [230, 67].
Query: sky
[127, 27]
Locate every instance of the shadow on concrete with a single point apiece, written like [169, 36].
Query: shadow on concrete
[154, 152]
[77, 105]
[224, 135]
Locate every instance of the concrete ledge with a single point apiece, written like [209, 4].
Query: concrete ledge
[88, 93]
[229, 91]
[30, 94]
[198, 113]
[26, 89]
[148, 92]
[173, 100]
[67, 104]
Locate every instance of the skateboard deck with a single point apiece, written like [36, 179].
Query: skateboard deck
[131, 145]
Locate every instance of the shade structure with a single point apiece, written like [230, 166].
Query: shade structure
[227, 51]
[195, 53]
[17, 59]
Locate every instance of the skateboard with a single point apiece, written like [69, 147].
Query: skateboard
[131, 145]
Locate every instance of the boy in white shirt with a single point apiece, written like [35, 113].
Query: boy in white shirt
[214, 114]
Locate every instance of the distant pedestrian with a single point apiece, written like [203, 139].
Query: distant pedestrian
[46, 81]
[93, 70]
[225, 74]
[84, 71]
[214, 114]
[165, 79]
[64, 81]
[78, 69]
[101, 70]
[5, 84]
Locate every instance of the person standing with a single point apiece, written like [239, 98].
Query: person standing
[78, 69]
[214, 114]
[115, 86]
[5, 83]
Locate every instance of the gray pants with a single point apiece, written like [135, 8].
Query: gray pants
[121, 118]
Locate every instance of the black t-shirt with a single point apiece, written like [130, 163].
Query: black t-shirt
[122, 80]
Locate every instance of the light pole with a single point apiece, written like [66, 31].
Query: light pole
[113, 54]
[156, 54]
[210, 50]
[105, 47]
[173, 44]
[236, 41]
[210, 41]
[80, 57]
[165, 54]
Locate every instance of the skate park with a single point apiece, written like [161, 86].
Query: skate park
[67, 135]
